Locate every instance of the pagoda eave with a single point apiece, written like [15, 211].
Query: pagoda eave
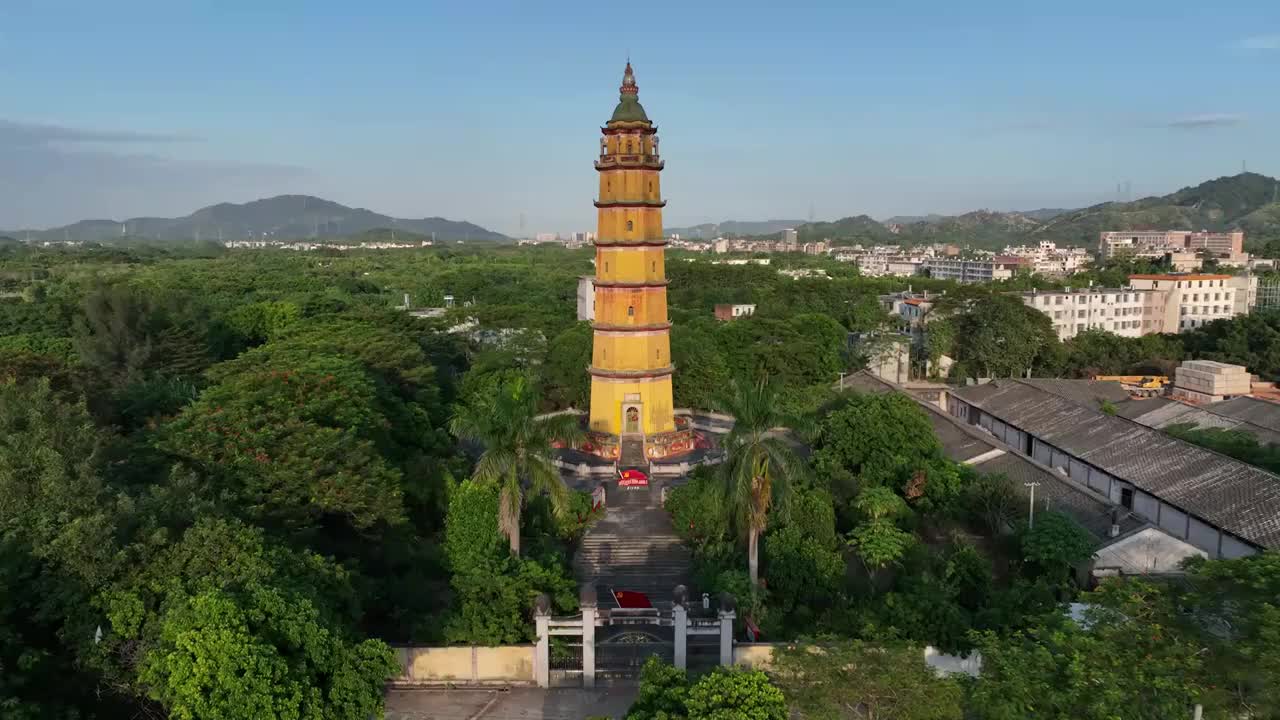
[630, 204]
[647, 374]
[629, 128]
[632, 286]
[630, 243]
[657, 165]
[604, 327]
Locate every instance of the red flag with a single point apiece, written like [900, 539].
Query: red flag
[632, 600]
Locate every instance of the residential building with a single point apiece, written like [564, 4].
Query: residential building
[1267, 292]
[586, 298]
[790, 237]
[1124, 311]
[1141, 243]
[1223, 506]
[969, 271]
[726, 311]
[1196, 299]
[1217, 243]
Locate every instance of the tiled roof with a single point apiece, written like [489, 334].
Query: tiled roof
[1232, 495]
[1083, 392]
[961, 442]
[1252, 410]
[1210, 416]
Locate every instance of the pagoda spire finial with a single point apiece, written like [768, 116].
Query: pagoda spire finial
[629, 86]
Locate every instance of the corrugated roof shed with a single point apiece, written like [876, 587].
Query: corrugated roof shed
[1232, 495]
[1083, 392]
[961, 443]
[1251, 410]
[1203, 416]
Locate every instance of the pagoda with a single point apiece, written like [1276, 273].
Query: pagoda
[631, 365]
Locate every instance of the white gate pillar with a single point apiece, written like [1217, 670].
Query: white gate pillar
[727, 616]
[587, 600]
[680, 622]
[542, 652]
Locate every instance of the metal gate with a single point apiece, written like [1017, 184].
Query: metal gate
[625, 649]
[565, 661]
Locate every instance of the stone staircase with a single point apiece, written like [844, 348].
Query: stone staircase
[631, 455]
[633, 547]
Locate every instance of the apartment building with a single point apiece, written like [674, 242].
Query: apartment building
[1158, 243]
[1124, 311]
[1197, 299]
[971, 271]
[1141, 243]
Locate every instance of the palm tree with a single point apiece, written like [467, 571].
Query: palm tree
[759, 465]
[517, 448]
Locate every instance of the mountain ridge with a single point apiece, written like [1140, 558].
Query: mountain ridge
[284, 217]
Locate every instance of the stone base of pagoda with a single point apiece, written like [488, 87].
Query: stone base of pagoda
[659, 446]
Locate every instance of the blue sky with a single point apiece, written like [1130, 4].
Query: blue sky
[486, 111]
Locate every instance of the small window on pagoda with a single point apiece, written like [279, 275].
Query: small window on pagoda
[631, 311]
[628, 147]
[606, 267]
[654, 266]
[657, 354]
[630, 226]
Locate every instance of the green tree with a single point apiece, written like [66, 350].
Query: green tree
[759, 465]
[517, 449]
[878, 541]
[1056, 543]
[568, 355]
[703, 370]
[873, 440]
[839, 679]
[737, 694]
[999, 336]
[1121, 663]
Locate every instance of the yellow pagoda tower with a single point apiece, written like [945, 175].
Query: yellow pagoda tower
[631, 354]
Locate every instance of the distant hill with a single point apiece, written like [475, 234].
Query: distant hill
[282, 217]
[734, 228]
[1246, 201]
[1237, 201]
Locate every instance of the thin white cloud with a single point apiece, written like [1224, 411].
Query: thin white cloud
[1203, 121]
[1260, 42]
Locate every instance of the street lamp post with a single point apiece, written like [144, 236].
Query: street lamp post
[1031, 519]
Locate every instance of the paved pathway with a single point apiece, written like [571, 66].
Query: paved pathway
[510, 704]
[633, 547]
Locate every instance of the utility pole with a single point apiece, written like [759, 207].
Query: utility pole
[842, 374]
[1031, 519]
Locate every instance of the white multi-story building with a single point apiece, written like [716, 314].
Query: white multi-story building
[1141, 243]
[1124, 311]
[586, 298]
[1197, 299]
[967, 271]
[790, 237]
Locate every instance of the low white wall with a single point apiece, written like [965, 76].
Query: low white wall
[760, 655]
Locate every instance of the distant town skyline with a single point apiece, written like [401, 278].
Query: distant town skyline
[489, 114]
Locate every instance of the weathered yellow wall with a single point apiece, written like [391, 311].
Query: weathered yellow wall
[630, 186]
[630, 264]
[508, 663]
[646, 224]
[631, 306]
[631, 351]
[655, 397]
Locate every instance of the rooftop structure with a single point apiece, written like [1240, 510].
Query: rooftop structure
[1221, 505]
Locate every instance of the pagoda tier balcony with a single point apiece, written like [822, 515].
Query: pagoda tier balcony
[630, 162]
[606, 327]
[631, 374]
[630, 204]
[645, 284]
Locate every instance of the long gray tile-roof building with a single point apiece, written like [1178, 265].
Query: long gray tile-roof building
[1224, 506]
[986, 454]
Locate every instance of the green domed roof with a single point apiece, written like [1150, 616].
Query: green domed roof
[629, 108]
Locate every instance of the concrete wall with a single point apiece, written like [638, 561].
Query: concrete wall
[760, 656]
[506, 664]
